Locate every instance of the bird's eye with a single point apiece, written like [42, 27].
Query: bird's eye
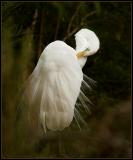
[87, 49]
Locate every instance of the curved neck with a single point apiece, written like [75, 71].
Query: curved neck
[81, 58]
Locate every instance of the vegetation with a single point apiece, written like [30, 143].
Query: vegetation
[27, 27]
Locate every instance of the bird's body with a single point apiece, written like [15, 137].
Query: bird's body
[62, 77]
[56, 80]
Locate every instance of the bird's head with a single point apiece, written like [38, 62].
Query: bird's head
[87, 43]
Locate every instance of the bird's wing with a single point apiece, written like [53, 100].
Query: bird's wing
[54, 86]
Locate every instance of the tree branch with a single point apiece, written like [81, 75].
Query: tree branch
[71, 20]
[69, 34]
[86, 16]
[57, 28]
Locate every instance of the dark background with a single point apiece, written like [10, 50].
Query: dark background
[27, 27]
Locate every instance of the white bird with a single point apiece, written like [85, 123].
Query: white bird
[55, 83]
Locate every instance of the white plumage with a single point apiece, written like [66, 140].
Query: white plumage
[55, 82]
[87, 42]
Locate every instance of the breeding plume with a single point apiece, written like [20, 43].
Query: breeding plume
[55, 83]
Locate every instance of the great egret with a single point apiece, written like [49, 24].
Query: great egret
[55, 83]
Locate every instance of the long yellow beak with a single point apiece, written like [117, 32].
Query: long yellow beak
[80, 54]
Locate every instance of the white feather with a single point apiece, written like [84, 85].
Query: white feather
[88, 42]
[54, 85]
[61, 78]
